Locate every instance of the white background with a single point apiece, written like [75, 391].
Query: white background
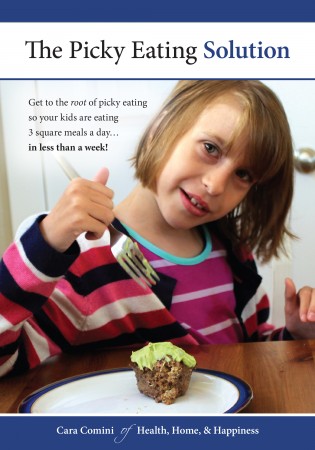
[15, 61]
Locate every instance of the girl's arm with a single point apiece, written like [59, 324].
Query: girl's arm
[29, 272]
[35, 262]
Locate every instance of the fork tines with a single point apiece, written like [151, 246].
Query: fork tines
[134, 263]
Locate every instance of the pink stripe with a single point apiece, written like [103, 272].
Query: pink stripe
[251, 324]
[32, 355]
[8, 337]
[22, 274]
[99, 298]
[12, 312]
[266, 328]
[206, 311]
[68, 330]
[53, 348]
[92, 258]
[114, 328]
[102, 296]
[187, 340]
[263, 303]
[229, 335]
[211, 273]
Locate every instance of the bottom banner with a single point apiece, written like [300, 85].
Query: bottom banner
[104, 432]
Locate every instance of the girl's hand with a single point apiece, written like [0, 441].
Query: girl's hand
[85, 206]
[300, 310]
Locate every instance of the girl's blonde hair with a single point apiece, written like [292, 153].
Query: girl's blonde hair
[259, 222]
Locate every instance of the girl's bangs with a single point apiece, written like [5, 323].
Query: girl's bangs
[266, 143]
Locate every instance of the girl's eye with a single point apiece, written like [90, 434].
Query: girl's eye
[244, 175]
[211, 149]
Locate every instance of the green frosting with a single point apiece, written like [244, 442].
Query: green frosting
[153, 352]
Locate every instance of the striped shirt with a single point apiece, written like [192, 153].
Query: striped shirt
[203, 300]
[52, 302]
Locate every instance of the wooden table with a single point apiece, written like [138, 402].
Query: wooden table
[281, 374]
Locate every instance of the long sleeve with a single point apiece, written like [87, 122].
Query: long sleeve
[253, 304]
[29, 271]
[52, 302]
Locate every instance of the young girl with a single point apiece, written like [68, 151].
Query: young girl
[215, 175]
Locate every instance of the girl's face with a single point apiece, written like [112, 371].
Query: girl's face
[204, 179]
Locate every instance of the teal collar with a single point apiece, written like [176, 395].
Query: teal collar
[172, 258]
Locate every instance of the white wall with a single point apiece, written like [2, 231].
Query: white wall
[35, 181]
[298, 98]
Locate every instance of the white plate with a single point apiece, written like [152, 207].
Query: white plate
[114, 392]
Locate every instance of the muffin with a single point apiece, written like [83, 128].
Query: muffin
[163, 371]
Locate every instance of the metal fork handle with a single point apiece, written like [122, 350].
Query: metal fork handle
[67, 168]
[114, 234]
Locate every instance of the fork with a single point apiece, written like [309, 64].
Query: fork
[124, 249]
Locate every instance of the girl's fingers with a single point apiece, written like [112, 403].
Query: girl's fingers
[306, 297]
[311, 308]
[304, 300]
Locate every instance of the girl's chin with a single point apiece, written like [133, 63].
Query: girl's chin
[180, 222]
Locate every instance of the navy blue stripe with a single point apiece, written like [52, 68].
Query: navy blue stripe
[96, 278]
[109, 273]
[263, 315]
[287, 335]
[21, 364]
[45, 258]
[51, 330]
[9, 349]
[11, 290]
[163, 11]
[253, 338]
[139, 336]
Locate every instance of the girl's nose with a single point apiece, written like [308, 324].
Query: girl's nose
[215, 180]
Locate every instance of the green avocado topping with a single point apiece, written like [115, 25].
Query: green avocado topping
[153, 352]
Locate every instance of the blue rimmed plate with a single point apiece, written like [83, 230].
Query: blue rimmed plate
[114, 392]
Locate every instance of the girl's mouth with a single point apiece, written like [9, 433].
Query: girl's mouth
[195, 201]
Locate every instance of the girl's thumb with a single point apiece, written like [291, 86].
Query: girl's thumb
[102, 176]
[290, 289]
